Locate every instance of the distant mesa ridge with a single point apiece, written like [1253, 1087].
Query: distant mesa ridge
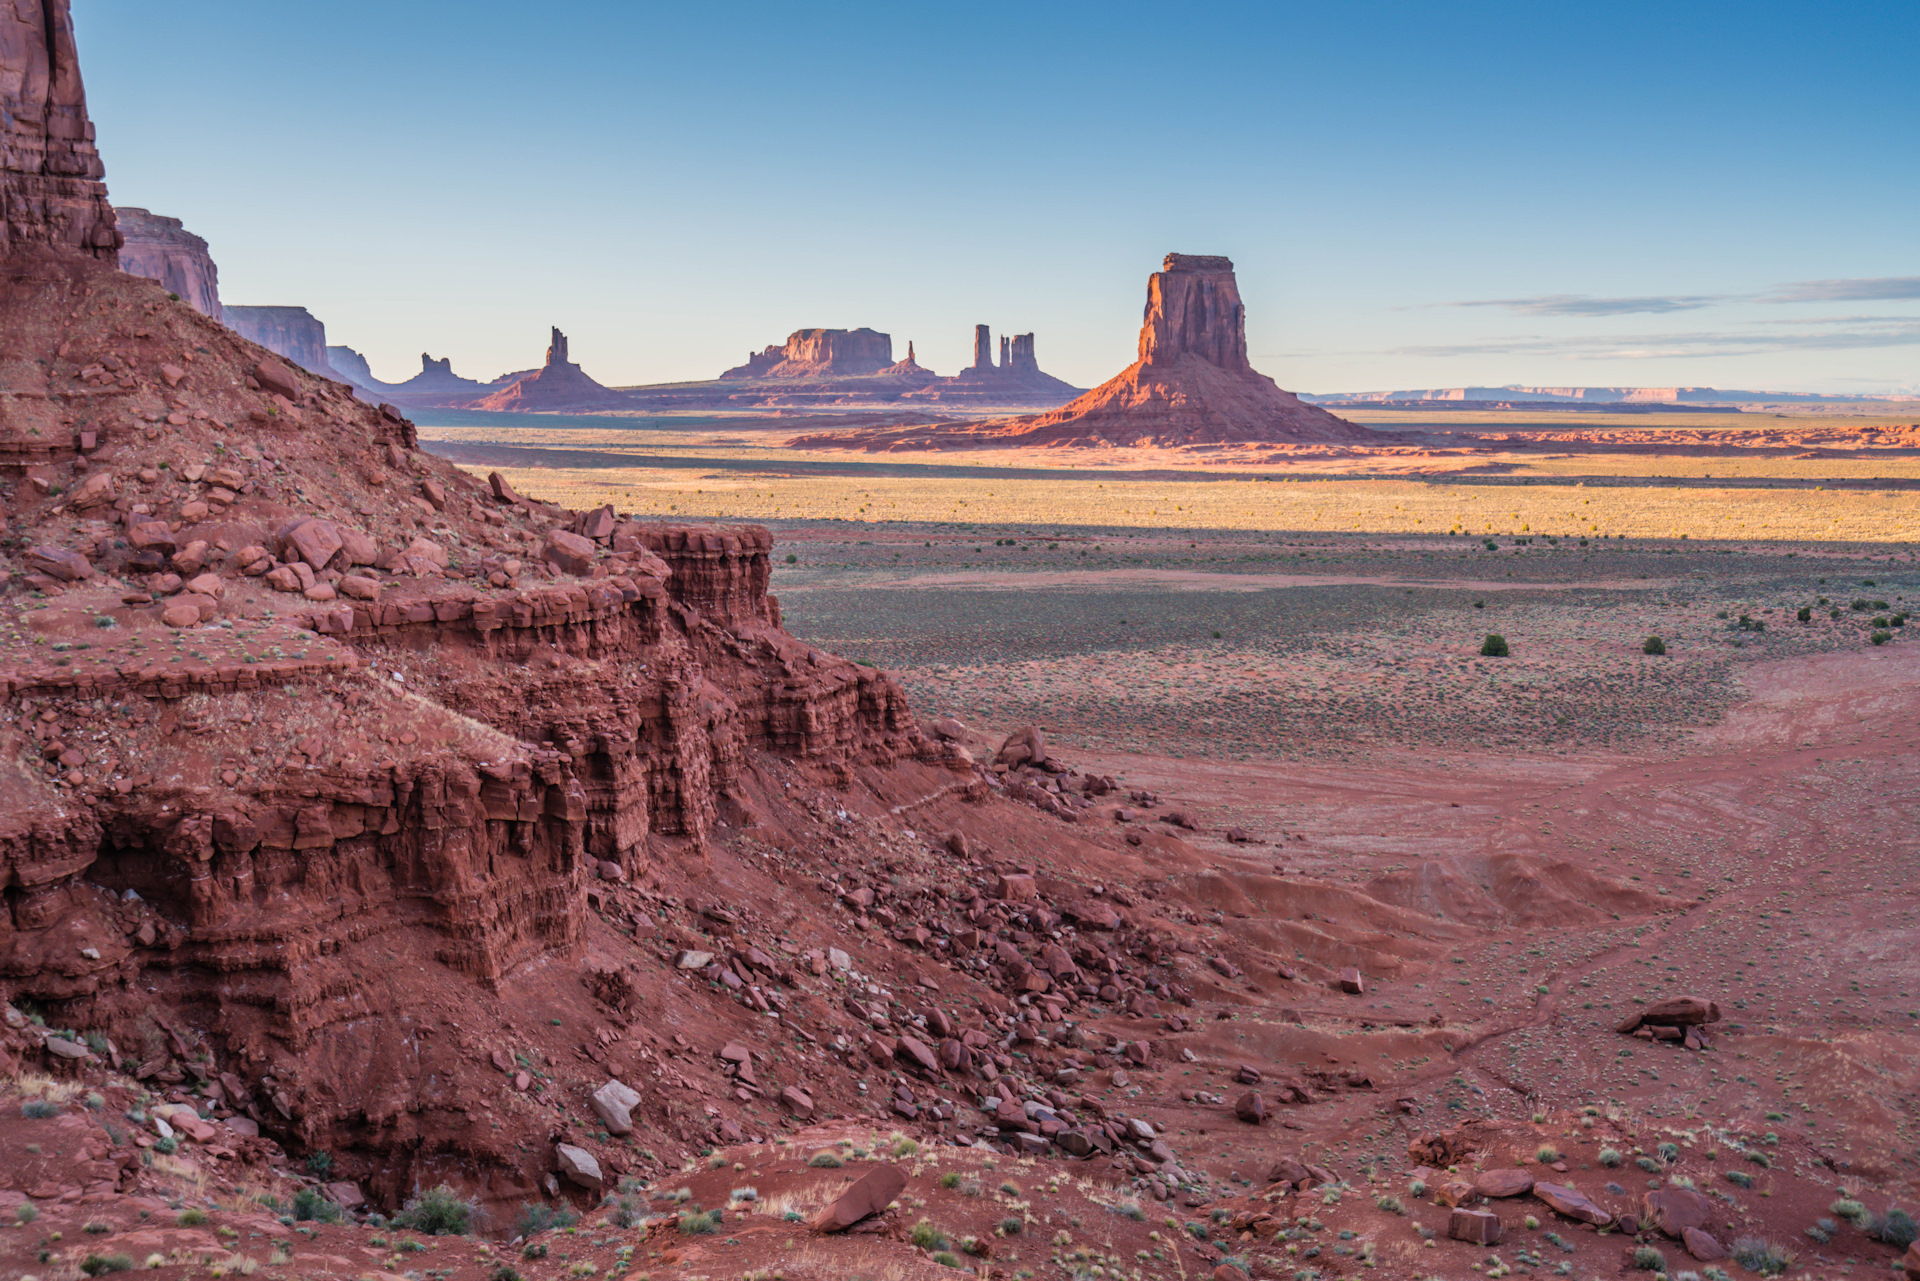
[1587, 396]
[161, 248]
[557, 386]
[812, 353]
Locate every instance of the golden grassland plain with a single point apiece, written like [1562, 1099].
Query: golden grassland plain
[1642, 492]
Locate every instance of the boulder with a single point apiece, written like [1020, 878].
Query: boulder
[313, 540]
[568, 552]
[1477, 1227]
[1674, 1210]
[150, 536]
[578, 1166]
[614, 1103]
[1573, 1204]
[1910, 1262]
[1026, 746]
[274, 376]
[1251, 1108]
[1016, 888]
[1503, 1183]
[1702, 1245]
[345, 1195]
[797, 1101]
[1455, 1192]
[358, 548]
[1352, 982]
[871, 1194]
[58, 562]
[1677, 1011]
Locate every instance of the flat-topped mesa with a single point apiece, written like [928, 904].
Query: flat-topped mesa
[1022, 359]
[293, 332]
[162, 249]
[817, 353]
[51, 193]
[1194, 309]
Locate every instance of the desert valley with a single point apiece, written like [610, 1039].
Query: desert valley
[835, 820]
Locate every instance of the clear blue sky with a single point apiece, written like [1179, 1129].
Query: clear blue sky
[1416, 194]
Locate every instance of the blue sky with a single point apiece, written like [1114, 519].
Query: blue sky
[1415, 194]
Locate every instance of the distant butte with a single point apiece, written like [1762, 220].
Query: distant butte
[1192, 385]
[558, 386]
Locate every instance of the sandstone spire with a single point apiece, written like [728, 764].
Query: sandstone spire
[1192, 383]
[557, 349]
[50, 188]
[982, 347]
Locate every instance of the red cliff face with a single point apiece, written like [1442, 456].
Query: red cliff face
[1194, 309]
[162, 249]
[50, 188]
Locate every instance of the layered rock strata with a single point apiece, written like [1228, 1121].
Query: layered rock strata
[163, 250]
[293, 332]
[51, 193]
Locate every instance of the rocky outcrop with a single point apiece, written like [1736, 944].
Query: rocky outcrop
[1192, 383]
[436, 383]
[909, 369]
[51, 193]
[293, 332]
[162, 249]
[557, 386]
[817, 353]
[1016, 379]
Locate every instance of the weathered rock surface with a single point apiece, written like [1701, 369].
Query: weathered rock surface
[1675, 1012]
[163, 250]
[1572, 1203]
[293, 332]
[872, 1193]
[1478, 1227]
[1511, 1181]
[1015, 379]
[51, 193]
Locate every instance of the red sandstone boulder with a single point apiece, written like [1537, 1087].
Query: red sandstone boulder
[872, 1193]
[1251, 1108]
[1477, 1227]
[1675, 1012]
[1703, 1246]
[1571, 1203]
[1503, 1183]
[58, 562]
[274, 376]
[568, 552]
[1026, 746]
[1674, 1210]
[313, 541]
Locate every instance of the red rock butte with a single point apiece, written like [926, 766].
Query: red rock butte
[1192, 384]
[558, 385]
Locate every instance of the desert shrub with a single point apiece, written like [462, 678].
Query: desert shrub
[792, 559]
[1852, 1211]
[505, 1272]
[825, 1161]
[26, 1212]
[166, 1145]
[1881, 637]
[744, 1194]
[625, 1212]
[1610, 1157]
[1757, 1254]
[1648, 1259]
[536, 1218]
[39, 1109]
[191, 1217]
[1495, 646]
[1653, 645]
[1391, 1204]
[928, 1237]
[1740, 1178]
[951, 1179]
[1669, 1152]
[319, 1164]
[1546, 1154]
[1417, 1188]
[1014, 1225]
[1834, 612]
[904, 1146]
[100, 1264]
[309, 1204]
[1895, 1228]
[1648, 1164]
[97, 1227]
[534, 1250]
[1238, 1263]
[437, 1212]
[1531, 1224]
[1805, 615]
[1823, 1231]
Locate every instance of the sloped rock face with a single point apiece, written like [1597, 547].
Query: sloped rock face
[163, 250]
[293, 332]
[51, 193]
[558, 385]
[392, 749]
[814, 353]
[1194, 309]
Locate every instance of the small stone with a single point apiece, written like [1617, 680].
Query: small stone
[1477, 1227]
[1352, 982]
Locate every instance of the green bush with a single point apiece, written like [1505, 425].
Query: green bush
[951, 1179]
[99, 1264]
[1648, 1164]
[1648, 1259]
[191, 1217]
[1740, 1177]
[699, 1222]
[309, 1204]
[536, 1218]
[1895, 1228]
[1852, 1211]
[166, 1145]
[1495, 646]
[39, 1109]
[946, 1258]
[1805, 615]
[1757, 1254]
[438, 1212]
[1653, 645]
[1013, 1226]
[825, 1161]
[1391, 1204]
[927, 1237]
[1610, 1157]
[1881, 637]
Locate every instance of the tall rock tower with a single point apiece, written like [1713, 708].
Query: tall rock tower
[51, 191]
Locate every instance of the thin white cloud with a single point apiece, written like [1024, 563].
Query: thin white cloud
[1839, 333]
[1585, 305]
[1862, 289]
